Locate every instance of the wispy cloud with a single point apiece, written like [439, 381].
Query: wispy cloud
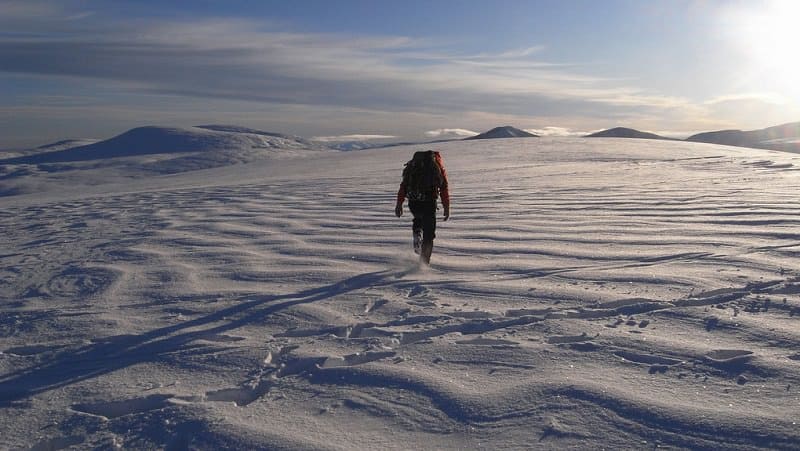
[447, 133]
[761, 109]
[555, 131]
[344, 138]
[80, 15]
[239, 59]
[762, 97]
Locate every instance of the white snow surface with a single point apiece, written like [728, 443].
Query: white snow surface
[585, 294]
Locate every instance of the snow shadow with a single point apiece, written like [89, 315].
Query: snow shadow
[114, 353]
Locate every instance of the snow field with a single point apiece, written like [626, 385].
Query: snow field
[585, 294]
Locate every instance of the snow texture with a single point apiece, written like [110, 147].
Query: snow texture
[586, 294]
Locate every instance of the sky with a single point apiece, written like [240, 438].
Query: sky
[390, 70]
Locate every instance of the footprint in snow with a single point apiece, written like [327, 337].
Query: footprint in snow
[420, 297]
[418, 290]
[374, 304]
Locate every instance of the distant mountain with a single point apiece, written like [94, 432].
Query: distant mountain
[727, 137]
[784, 137]
[158, 140]
[622, 132]
[503, 132]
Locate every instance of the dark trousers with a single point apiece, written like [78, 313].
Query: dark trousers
[424, 218]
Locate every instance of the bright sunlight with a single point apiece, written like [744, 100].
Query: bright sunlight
[770, 35]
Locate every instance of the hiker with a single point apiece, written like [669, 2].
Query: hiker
[424, 180]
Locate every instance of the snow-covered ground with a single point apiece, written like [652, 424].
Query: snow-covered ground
[586, 294]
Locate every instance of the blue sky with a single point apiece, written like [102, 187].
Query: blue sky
[410, 70]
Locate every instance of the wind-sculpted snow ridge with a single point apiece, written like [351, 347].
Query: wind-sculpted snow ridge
[584, 295]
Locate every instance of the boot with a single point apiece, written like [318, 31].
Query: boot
[427, 250]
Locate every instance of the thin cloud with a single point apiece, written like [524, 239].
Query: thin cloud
[520, 53]
[554, 131]
[79, 16]
[747, 97]
[513, 53]
[239, 59]
[444, 133]
[343, 138]
[676, 135]
[732, 110]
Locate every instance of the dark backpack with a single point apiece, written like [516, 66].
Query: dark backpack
[423, 176]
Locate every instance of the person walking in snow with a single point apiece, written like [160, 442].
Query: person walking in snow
[424, 181]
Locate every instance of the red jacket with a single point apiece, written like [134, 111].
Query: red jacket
[442, 190]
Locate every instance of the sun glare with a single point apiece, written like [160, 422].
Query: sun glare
[770, 35]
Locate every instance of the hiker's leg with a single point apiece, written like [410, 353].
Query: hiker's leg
[416, 226]
[428, 217]
[416, 210]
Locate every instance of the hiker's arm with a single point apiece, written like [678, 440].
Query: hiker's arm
[401, 197]
[444, 193]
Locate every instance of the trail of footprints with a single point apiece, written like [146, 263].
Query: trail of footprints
[396, 335]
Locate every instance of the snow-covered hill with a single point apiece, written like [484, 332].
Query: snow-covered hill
[506, 131]
[158, 140]
[585, 294]
[623, 132]
[145, 150]
[785, 137]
